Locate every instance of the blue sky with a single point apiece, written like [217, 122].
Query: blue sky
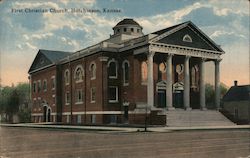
[23, 34]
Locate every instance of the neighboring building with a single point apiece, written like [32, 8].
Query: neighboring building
[236, 103]
[121, 78]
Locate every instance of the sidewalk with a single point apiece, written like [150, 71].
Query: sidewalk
[124, 129]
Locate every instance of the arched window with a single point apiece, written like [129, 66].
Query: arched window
[67, 76]
[187, 38]
[194, 77]
[112, 68]
[79, 73]
[44, 85]
[125, 67]
[162, 69]
[144, 72]
[92, 69]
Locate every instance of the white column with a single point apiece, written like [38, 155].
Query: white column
[186, 84]
[169, 87]
[150, 85]
[202, 85]
[217, 83]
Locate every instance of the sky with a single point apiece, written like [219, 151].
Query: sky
[22, 33]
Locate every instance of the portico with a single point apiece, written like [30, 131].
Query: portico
[187, 55]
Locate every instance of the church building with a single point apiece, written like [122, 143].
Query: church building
[126, 79]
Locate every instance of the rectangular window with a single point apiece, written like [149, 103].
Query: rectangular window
[54, 99]
[53, 82]
[67, 119]
[79, 119]
[34, 87]
[39, 86]
[78, 96]
[113, 94]
[93, 119]
[54, 118]
[113, 119]
[92, 94]
[67, 98]
[44, 85]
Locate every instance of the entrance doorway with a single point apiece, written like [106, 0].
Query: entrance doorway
[46, 113]
[178, 88]
[178, 99]
[161, 98]
[49, 113]
[161, 94]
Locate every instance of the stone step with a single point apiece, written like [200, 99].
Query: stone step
[183, 118]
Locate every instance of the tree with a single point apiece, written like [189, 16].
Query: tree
[210, 94]
[15, 100]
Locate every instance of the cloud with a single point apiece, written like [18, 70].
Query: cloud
[221, 33]
[31, 46]
[41, 36]
[185, 11]
[26, 37]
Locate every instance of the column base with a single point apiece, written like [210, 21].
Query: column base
[170, 108]
[218, 109]
[188, 108]
[203, 108]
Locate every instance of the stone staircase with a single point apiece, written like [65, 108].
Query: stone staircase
[182, 118]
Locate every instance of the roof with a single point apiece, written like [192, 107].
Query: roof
[54, 56]
[45, 58]
[238, 93]
[127, 22]
[168, 28]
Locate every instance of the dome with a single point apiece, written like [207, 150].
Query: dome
[127, 22]
[128, 27]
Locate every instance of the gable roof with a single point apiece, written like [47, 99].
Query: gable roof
[167, 29]
[171, 32]
[54, 56]
[238, 93]
[48, 57]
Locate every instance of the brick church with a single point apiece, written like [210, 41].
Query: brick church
[126, 78]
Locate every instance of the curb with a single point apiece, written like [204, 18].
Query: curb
[126, 129]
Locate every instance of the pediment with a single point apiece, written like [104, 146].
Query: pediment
[186, 35]
[178, 86]
[40, 61]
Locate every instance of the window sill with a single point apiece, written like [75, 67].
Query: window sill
[113, 77]
[125, 84]
[77, 103]
[92, 102]
[92, 78]
[67, 104]
[113, 101]
[79, 81]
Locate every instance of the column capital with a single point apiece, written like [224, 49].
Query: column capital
[203, 59]
[151, 53]
[217, 60]
[170, 54]
[187, 57]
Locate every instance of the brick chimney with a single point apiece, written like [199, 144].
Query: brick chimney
[235, 83]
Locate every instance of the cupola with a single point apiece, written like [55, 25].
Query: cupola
[128, 27]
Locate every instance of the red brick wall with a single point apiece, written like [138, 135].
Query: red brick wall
[44, 95]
